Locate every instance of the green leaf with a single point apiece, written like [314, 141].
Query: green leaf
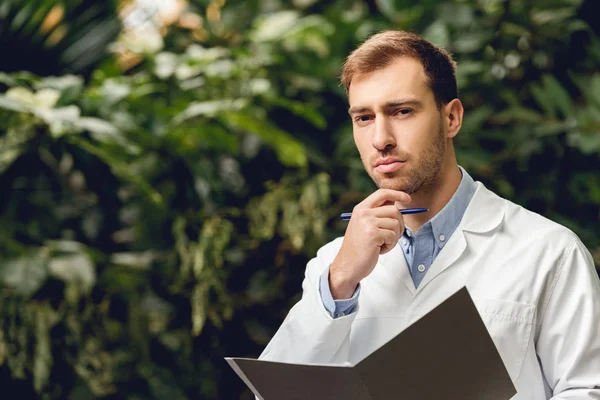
[13, 104]
[550, 128]
[460, 16]
[470, 42]
[558, 94]
[542, 98]
[589, 86]
[586, 142]
[60, 83]
[165, 64]
[7, 79]
[45, 319]
[12, 146]
[120, 169]
[274, 26]
[387, 8]
[77, 270]
[290, 151]
[214, 237]
[199, 302]
[310, 32]
[208, 109]
[26, 274]
[61, 121]
[438, 34]
[105, 132]
[262, 214]
[69, 86]
[134, 260]
[301, 109]
[519, 114]
[552, 16]
[510, 28]
[473, 120]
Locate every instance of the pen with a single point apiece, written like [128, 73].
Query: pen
[346, 216]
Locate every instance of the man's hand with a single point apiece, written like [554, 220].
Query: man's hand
[374, 228]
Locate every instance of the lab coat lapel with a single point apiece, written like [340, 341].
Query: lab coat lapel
[483, 214]
[447, 256]
[395, 265]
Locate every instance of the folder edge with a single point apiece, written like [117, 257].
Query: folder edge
[242, 375]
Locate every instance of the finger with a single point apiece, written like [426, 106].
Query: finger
[382, 196]
[389, 239]
[391, 224]
[386, 212]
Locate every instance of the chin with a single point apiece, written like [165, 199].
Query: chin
[394, 183]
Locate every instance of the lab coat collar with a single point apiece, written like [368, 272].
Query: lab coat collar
[484, 213]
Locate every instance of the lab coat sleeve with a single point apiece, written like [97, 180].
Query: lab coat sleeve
[568, 344]
[309, 334]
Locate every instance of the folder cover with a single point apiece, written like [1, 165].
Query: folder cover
[446, 354]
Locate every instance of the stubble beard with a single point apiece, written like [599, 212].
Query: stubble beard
[422, 175]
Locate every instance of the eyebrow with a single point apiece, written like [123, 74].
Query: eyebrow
[388, 105]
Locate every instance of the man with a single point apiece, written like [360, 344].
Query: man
[532, 280]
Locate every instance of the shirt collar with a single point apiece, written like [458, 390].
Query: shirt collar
[444, 223]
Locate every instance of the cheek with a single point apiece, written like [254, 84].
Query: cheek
[362, 141]
[419, 133]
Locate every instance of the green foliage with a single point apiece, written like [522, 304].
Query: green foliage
[157, 219]
[50, 36]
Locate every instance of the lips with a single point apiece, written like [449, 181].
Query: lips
[388, 165]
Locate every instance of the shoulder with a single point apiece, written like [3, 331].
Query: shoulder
[530, 239]
[528, 226]
[534, 227]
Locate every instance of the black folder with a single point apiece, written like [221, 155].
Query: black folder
[447, 354]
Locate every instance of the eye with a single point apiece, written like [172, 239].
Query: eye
[362, 119]
[404, 111]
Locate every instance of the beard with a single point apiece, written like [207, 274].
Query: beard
[422, 172]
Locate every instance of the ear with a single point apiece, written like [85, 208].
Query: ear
[453, 115]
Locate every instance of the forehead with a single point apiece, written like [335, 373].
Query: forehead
[403, 78]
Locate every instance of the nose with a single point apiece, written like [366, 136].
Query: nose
[383, 136]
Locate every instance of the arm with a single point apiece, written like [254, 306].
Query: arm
[309, 334]
[340, 307]
[568, 344]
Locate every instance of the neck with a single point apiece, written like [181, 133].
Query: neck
[435, 195]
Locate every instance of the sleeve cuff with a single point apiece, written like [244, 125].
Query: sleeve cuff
[336, 308]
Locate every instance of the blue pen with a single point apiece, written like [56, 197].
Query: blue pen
[346, 216]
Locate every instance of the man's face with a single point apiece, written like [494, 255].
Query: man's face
[398, 128]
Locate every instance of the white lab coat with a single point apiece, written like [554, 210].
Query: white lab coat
[532, 280]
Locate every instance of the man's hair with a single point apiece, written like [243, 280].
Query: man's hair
[383, 48]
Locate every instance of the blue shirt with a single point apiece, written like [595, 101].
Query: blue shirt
[420, 248]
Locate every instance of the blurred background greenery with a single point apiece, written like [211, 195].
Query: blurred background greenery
[168, 167]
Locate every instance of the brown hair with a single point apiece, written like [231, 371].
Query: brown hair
[381, 49]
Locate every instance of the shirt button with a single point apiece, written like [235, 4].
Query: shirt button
[408, 233]
[421, 268]
[404, 242]
[442, 238]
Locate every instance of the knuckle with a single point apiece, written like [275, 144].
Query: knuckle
[362, 212]
[371, 231]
